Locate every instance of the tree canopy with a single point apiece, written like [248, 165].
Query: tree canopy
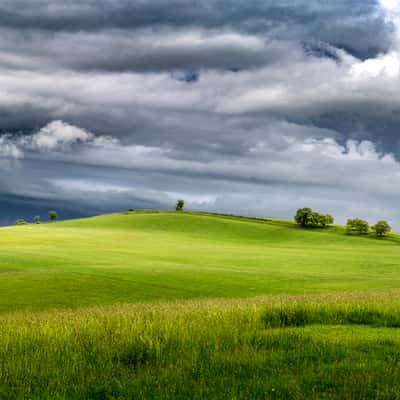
[307, 218]
[381, 228]
[180, 204]
[357, 226]
[52, 215]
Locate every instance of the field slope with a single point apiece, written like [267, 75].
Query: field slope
[221, 308]
[145, 256]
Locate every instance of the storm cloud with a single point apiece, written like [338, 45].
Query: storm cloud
[256, 108]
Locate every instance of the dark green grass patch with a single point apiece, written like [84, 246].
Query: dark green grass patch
[296, 315]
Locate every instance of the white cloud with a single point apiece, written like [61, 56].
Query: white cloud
[8, 149]
[291, 158]
[58, 134]
[385, 65]
[390, 5]
[82, 185]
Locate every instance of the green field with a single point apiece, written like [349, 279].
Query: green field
[130, 257]
[164, 305]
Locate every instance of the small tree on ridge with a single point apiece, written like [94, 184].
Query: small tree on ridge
[381, 228]
[179, 205]
[52, 216]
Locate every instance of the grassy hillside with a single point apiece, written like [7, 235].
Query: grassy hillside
[65, 335]
[129, 257]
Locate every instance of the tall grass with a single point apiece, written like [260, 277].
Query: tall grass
[265, 348]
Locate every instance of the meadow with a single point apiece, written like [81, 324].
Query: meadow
[130, 257]
[312, 347]
[168, 305]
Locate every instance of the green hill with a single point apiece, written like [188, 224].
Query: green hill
[147, 256]
[294, 343]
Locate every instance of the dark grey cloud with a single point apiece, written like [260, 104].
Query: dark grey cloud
[356, 25]
[253, 107]
[160, 35]
[145, 50]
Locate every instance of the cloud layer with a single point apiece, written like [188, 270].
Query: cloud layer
[244, 107]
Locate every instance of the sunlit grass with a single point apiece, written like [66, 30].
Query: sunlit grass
[220, 308]
[130, 257]
[211, 349]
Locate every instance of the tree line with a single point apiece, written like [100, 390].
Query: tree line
[52, 217]
[307, 218]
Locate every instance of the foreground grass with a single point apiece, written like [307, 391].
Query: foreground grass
[298, 346]
[130, 257]
[289, 347]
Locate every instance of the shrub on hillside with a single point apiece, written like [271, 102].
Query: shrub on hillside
[357, 226]
[381, 228]
[36, 218]
[307, 218]
[20, 222]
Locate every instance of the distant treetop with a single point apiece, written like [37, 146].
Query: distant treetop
[52, 215]
[180, 204]
[381, 228]
[307, 218]
[357, 226]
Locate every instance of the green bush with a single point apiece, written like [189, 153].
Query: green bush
[357, 226]
[20, 222]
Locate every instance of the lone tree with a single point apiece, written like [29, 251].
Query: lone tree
[36, 218]
[307, 218]
[358, 226]
[381, 228]
[52, 216]
[179, 205]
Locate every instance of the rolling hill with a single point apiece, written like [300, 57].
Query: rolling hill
[147, 256]
[222, 307]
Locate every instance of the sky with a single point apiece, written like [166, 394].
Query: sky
[248, 107]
